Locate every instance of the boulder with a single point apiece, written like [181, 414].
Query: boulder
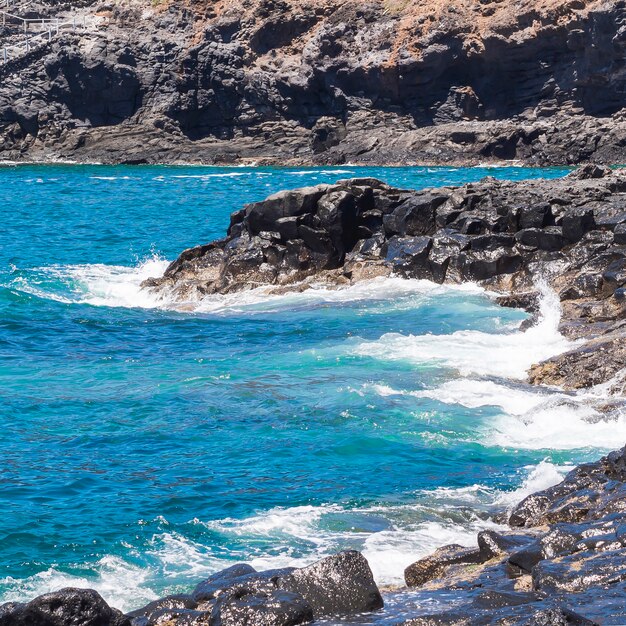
[434, 566]
[67, 607]
[342, 584]
[272, 608]
[409, 256]
[550, 238]
[207, 589]
[263, 215]
[577, 223]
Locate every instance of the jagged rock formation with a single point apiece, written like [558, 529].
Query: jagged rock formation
[292, 81]
[561, 563]
[568, 232]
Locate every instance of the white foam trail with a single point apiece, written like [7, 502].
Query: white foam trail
[95, 284]
[216, 175]
[541, 477]
[470, 352]
[124, 586]
[406, 535]
[474, 393]
[377, 289]
[319, 172]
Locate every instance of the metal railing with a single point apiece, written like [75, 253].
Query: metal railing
[36, 31]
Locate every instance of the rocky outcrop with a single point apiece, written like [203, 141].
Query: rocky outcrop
[67, 607]
[304, 81]
[562, 564]
[507, 235]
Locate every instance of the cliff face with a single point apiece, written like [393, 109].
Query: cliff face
[325, 82]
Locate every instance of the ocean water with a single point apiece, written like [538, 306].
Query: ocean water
[144, 447]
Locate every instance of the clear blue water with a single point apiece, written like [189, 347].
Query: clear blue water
[144, 447]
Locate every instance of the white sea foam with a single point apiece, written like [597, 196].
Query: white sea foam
[95, 284]
[215, 175]
[540, 477]
[411, 292]
[390, 536]
[309, 533]
[318, 172]
[470, 352]
[123, 585]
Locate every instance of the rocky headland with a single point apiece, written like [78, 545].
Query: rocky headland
[319, 82]
[511, 237]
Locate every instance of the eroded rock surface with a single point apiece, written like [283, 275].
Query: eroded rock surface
[331, 81]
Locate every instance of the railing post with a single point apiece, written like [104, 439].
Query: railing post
[74, 23]
[57, 25]
[4, 54]
[49, 34]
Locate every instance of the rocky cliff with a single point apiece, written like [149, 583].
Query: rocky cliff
[293, 81]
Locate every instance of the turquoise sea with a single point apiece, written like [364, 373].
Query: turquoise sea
[144, 447]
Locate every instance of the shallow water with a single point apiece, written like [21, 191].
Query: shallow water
[145, 447]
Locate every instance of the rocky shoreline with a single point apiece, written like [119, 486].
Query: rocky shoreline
[562, 559]
[561, 563]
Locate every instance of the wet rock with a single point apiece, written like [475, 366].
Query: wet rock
[207, 589]
[180, 601]
[580, 571]
[492, 544]
[67, 607]
[409, 256]
[273, 608]
[338, 585]
[435, 565]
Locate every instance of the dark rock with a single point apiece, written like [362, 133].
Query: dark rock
[577, 223]
[580, 571]
[409, 256]
[493, 544]
[169, 602]
[537, 216]
[590, 170]
[619, 234]
[207, 589]
[550, 238]
[415, 216]
[67, 607]
[434, 566]
[338, 585]
[497, 599]
[274, 608]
